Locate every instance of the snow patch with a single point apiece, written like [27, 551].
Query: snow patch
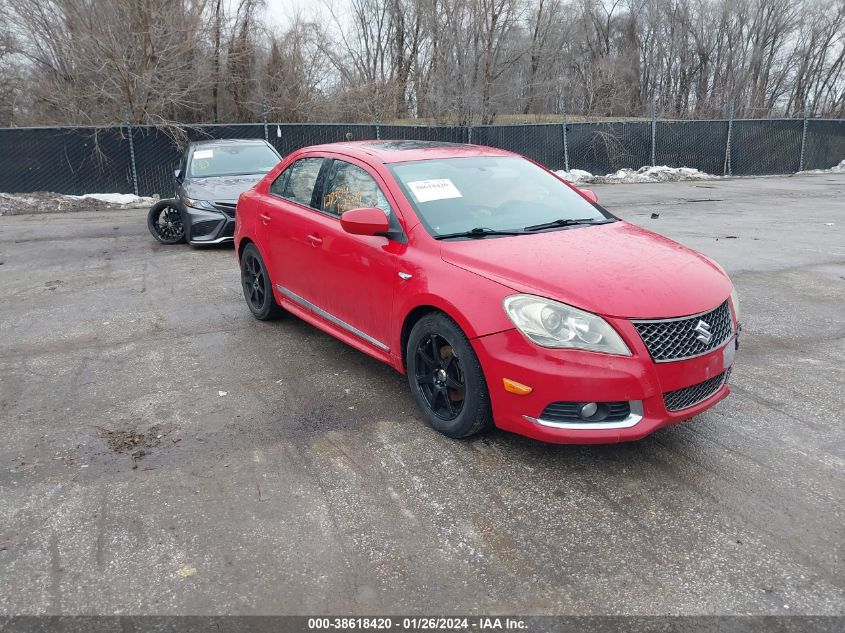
[658, 173]
[45, 202]
[836, 169]
[117, 198]
[575, 176]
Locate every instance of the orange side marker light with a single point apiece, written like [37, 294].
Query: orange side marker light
[518, 388]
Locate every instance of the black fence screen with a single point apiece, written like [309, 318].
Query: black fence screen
[825, 144]
[79, 160]
[602, 148]
[752, 147]
[64, 160]
[699, 144]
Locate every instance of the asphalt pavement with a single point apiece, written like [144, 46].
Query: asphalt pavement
[163, 452]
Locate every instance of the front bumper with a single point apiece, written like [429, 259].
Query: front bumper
[557, 375]
[204, 226]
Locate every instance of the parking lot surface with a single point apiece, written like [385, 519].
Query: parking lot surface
[163, 452]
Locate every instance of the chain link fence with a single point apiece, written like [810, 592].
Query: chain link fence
[141, 159]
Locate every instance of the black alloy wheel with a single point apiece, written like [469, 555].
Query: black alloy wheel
[258, 291]
[440, 376]
[165, 222]
[446, 378]
[253, 281]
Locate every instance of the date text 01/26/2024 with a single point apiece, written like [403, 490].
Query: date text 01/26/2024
[432, 623]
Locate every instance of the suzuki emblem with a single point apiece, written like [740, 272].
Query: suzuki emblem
[702, 328]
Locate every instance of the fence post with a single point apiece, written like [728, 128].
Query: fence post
[469, 134]
[653, 130]
[131, 149]
[378, 131]
[727, 170]
[803, 139]
[264, 117]
[565, 141]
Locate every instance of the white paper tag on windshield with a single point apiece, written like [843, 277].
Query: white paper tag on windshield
[204, 153]
[437, 189]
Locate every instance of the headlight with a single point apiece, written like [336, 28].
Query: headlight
[552, 324]
[735, 304]
[198, 204]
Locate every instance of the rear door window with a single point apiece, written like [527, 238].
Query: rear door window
[297, 182]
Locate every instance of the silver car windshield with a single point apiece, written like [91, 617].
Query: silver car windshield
[231, 160]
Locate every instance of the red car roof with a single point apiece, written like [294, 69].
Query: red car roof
[397, 151]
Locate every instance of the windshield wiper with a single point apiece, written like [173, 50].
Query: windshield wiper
[476, 232]
[567, 222]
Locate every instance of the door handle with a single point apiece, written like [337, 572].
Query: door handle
[315, 240]
[264, 218]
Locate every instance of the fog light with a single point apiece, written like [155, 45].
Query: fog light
[589, 410]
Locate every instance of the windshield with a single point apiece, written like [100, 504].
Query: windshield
[508, 193]
[232, 160]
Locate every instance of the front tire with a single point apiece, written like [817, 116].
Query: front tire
[446, 378]
[258, 290]
[164, 221]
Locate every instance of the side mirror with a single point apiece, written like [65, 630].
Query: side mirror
[589, 194]
[365, 221]
[178, 174]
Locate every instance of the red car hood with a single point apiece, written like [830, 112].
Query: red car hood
[613, 269]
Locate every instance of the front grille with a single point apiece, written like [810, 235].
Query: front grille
[571, 412]
[226, 207]
[676, 339]
[689, 396]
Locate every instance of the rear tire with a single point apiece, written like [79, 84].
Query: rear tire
[446, 378]
[257, 287]
[165, 222]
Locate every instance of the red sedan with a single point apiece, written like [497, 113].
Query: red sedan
[506, 295]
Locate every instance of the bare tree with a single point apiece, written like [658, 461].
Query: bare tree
[9, 78]
[241, 66]
[77, 61]
[294, 73]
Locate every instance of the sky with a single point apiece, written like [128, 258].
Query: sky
[279, 12]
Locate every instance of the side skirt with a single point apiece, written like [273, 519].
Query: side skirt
[330, 324]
